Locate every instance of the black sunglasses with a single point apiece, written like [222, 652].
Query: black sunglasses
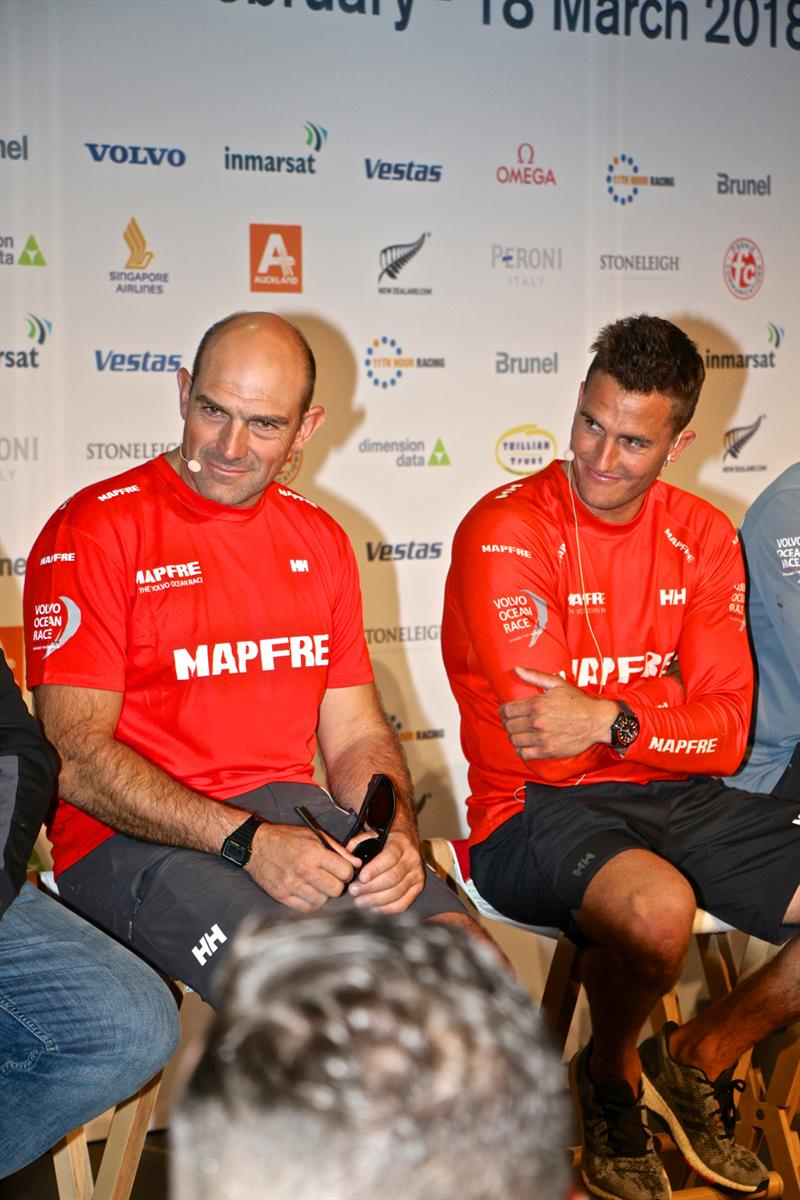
[376, 812]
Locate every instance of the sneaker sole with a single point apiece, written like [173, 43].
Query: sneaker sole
[657, 1104]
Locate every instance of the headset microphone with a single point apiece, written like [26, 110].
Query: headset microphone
[192, 463]
[569, 454]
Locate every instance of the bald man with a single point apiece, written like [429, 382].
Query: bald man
[194, 635]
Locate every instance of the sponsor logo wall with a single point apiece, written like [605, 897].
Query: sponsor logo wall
[449, 254]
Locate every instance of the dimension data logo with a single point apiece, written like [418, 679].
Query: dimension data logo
[276, 258]
[735, 441]
[760, 360]
[526, 170]
[386, 362]
[402, 172]
[408, 452]
[526, 266]
[393, 260]
[136, 156]
[39, 330]
[315, 136]
[524, 449]
[625, 181]
[743, 268]
[135, 278]
[30, 255]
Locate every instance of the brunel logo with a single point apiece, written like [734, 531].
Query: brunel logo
[136, 156]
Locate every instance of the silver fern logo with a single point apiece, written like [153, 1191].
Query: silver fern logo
[394, 259]
[736, 439]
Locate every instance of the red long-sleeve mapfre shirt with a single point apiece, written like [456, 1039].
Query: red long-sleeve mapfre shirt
[668, 584]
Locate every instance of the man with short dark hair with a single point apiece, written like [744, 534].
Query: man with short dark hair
[194, 633]
[594, 630]
[353, 1058]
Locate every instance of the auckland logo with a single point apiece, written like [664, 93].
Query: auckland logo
[624, 180]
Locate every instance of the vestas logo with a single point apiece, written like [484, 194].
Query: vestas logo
[136, 156]
[399, 551]
[403, 172]
[145, 361]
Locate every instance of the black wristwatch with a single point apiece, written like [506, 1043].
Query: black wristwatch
[238, 846]
[625, 729]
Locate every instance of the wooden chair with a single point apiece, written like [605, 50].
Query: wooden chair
[764, 1112]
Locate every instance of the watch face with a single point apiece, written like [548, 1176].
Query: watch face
[625, 730]
[235, 852]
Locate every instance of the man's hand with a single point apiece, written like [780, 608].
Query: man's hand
[293, 867]
[560, 723]
[393, 879]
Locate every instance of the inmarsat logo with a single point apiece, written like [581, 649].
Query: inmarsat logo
[276, 258]
[392, 261]
[743, 268]
[624, 180]
[39, 329]
[286, 164]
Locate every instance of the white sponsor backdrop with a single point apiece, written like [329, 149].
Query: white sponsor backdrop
[116, 110]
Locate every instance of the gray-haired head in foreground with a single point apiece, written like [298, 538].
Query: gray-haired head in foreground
[355, 1058]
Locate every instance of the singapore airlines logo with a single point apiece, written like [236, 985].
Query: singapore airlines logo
[140, 257]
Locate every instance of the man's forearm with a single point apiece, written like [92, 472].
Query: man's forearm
[375, 752]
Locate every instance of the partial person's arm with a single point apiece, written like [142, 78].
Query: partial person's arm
[115, 784]
[774, 570]
[27, 778]
[357, 742]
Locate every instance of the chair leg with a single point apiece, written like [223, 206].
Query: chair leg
[561, 990]
[125, 1143]
[72, 1166]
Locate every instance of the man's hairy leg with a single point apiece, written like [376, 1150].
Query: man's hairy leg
[637, 913]
[764, 1002]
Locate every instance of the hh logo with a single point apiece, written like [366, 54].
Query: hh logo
[672, 596]
[209, 943]
[298, 564]
[276, 258]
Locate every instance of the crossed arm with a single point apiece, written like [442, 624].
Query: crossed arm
[119, 786]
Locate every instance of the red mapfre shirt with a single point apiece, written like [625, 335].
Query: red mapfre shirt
[222, 626]
[668, 584]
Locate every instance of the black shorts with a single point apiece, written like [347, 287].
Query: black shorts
[740, 851]
[180, 908]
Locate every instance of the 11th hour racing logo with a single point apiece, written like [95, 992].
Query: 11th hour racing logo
[625, 181]
[393, 260]
[387, 363]
[39, 330]
[315, 136]
[135, 278]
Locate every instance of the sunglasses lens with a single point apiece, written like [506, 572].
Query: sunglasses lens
[369, 848]
[381, 808]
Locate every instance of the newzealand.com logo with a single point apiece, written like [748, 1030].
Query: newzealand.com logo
[394, 259]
